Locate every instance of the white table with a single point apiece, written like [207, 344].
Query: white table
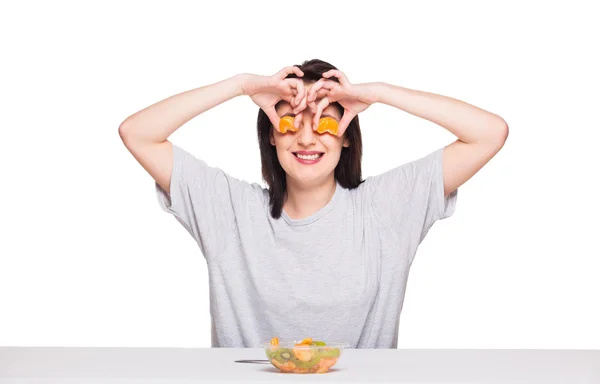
[59, 365]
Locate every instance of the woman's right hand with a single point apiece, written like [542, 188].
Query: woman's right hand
[267, 91]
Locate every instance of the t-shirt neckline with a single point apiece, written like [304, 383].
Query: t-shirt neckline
[317, 215]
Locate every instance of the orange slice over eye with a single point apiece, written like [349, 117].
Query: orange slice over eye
[328, 124]
[286, 123]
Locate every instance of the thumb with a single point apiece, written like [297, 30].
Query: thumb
[273, 116]
[345, 122]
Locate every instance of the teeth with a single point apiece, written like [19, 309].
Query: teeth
[308, 157]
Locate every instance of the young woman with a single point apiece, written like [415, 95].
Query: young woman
[321, 252]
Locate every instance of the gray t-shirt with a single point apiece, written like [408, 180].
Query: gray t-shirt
[338, 275]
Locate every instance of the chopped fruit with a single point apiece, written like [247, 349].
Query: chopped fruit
[286, 123]
[283, 355]
[303, 354]
[307, 356]
[328, 124]
[330, 352]
[325, 365]
[288, 366]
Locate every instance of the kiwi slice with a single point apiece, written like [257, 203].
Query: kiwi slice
[335, 352]
[270, 353]
[283, 355]
[316, 357]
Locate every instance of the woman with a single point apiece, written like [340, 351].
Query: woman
[320, 253]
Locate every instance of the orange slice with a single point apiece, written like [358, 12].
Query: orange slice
[307, 341]
[303, 355]
[328, 124]
[286, 123]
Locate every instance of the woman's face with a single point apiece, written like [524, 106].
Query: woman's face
[307, 156]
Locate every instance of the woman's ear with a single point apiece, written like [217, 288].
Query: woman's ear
[346, 142]
[271, 138]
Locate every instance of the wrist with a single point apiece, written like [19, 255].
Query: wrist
[241, 81]
[370, 93]
[379, 89]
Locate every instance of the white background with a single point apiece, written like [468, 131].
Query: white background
[87, 258]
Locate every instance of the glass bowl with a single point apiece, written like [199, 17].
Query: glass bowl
[304, 356]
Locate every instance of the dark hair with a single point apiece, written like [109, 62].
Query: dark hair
[348, 170]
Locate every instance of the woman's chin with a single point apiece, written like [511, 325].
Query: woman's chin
[307, 178]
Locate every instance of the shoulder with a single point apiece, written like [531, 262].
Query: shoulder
[415, 188]
[198, 175]
[407, 176]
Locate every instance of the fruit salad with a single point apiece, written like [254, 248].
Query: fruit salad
[307, 356]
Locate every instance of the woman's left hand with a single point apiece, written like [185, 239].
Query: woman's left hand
[354, 98]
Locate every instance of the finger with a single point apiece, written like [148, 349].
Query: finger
[298, 119]
[338, 74]
[273, 117]
[314, 89]
[345, 122]
[288, 71]
[294, 87]
[323, 103]
[313, 106]
[301, 91]
[299, 101]
[301, 107]
[320, 95]
[298, 71]
[324, 87]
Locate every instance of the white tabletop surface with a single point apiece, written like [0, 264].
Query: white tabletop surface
[57, 365]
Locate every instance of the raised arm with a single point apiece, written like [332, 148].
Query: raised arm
[145, 133]
[481, 134]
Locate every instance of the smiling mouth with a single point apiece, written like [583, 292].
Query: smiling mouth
[308, 155]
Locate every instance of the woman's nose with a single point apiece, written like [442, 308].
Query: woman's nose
[306, 134]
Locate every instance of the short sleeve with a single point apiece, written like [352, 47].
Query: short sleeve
[205, 200]
[410, 197]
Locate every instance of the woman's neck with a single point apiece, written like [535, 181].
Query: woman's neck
[302, 200]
